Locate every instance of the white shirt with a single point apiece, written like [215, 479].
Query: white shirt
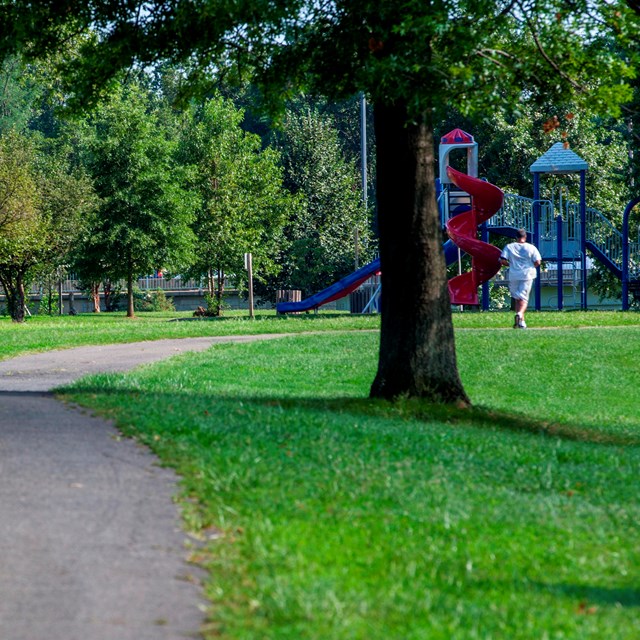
[522, 257]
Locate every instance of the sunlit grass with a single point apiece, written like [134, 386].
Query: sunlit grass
[41, 333]
[327, 515]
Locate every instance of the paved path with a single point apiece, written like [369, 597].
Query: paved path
[90, 541]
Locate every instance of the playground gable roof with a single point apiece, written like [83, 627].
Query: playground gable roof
[559, 160]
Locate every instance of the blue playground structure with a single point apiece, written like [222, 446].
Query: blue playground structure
[565, 232]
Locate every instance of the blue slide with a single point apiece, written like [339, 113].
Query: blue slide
[350, 283]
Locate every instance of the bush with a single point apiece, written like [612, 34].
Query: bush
[152, 300]
[160, 301]
[215, 307]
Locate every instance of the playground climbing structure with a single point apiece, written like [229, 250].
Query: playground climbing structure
[566, 233]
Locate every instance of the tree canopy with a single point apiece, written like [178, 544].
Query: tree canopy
[413, 59]
[414, 51]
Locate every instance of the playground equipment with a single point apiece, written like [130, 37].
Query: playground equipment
[333, 292]
[565, 232]
[463, 230]
[350, 283]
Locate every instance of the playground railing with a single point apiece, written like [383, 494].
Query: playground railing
[442, 208]
[516, 211]
[519, 211]
[604, 236]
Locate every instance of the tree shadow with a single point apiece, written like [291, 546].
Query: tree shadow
[406, 409]
[604, 596]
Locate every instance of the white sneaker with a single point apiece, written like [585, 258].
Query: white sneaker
[522, 325]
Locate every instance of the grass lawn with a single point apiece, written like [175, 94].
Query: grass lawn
[41, 333]
[325, 515]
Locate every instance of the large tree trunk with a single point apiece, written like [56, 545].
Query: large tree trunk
[417, 349]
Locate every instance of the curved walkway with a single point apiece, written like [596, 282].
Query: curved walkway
[91, 546]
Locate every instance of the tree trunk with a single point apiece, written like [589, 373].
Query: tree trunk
[130, 309]
[417, 348]
[110, 297]
[95, 296]
[219, 292]
[15, 297]
[20, 300]
[211, 283]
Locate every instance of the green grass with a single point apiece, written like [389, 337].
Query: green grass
[542, 319]
[326, 515]
[42, 333]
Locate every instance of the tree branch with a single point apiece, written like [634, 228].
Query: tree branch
[488, 54]
[554, 65]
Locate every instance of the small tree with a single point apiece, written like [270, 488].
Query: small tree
[243, 205]
[143, 217]
[323, 237]
[21, 220]
[41, 202]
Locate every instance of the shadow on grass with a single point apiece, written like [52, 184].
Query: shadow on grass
[468, 417]
[604, 596]
[408, 409]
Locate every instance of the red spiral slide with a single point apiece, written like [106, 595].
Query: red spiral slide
[463, 230]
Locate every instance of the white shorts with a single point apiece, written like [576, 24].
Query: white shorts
[520, 289]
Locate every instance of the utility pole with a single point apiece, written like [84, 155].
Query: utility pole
[363, 169]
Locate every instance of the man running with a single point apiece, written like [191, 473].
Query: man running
[522, 258]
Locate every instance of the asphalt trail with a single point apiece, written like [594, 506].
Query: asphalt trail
[91, 546]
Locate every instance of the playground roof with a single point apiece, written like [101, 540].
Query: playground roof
[457, 136]
[559, 160]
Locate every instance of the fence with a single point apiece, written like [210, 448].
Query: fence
[149, 283]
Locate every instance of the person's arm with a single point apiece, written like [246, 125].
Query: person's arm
[503, 261]
[537, 259]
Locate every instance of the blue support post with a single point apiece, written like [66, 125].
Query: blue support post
[486, 300]
[536, 234]
[560, 262]
[583, 238]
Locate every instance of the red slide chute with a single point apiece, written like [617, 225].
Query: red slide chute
[463, 230]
